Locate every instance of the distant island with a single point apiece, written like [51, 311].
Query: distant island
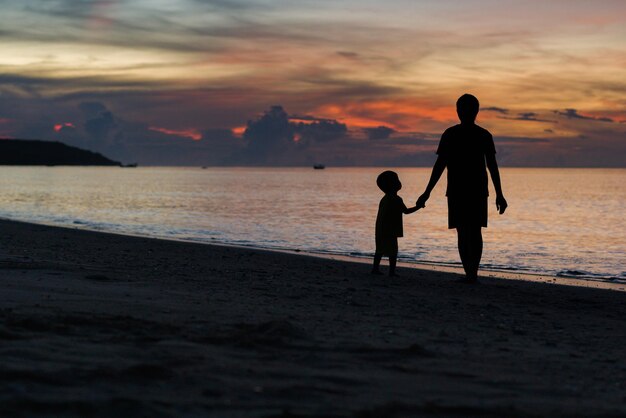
[35, 152]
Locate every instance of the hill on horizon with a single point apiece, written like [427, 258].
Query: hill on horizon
[38, 152]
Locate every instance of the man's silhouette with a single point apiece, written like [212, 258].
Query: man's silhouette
[463, 150]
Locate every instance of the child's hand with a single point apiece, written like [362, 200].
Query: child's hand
[421, 201]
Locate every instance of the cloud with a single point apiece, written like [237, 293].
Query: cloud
[298, 117]
[573, 114]
[268, 136]
[322, 130]
[118, 124]
[92, 109]
[379, 132]
[588, 151]
[496, 109]
[274, 138]
[348, 54]
[217, 134]
[518, 140]
[100, 121]
[528, 116]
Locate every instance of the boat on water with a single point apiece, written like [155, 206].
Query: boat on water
[319, 166]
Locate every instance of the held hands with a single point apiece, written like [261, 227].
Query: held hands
[501, 204]
[421, 201]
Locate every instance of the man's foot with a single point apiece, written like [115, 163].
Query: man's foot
[376, 272]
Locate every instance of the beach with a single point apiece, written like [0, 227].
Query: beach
[96, 324]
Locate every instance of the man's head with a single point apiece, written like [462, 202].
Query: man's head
[389, 182]
[467, 108]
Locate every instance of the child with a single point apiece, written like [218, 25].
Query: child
[389, 221]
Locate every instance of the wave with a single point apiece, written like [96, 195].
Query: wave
[216, 237]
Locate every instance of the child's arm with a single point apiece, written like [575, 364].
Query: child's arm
[406, 210]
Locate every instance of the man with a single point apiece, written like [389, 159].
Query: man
[463, 150]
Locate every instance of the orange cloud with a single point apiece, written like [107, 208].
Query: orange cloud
[238, 130]
[187, 133]
[400, 114]
[59, 126]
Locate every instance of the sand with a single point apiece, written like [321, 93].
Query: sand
[96, 324]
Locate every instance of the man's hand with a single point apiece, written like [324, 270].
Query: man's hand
[421, 202]
[501, 204]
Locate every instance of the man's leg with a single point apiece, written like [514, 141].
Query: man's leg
[470, 241]
[475, 251]
[463, 244]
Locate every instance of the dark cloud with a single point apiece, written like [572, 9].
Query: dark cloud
[308, 117]
[332, 84]
[217, 135]
[528, 116]
[518, 140]
[269, 135]
[100, 121]
[496, 109]
[426, 139]
[379, 132]
[573, 114]
[42, 127]
[348, 54]
[588, 151]
[92, 109]
[112, 124]
[275, 138]
[523, 116]
[322, 131]
[32, 83]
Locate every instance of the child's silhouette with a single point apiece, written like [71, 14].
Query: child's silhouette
[389, 221]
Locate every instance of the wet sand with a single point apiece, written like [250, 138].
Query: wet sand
[96, 324]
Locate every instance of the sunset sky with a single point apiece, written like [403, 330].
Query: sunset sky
[344, 82]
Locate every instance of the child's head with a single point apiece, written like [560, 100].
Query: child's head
[389, 182]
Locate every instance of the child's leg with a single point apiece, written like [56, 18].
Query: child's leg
[393, 256]
[376, 266]
[392, 264]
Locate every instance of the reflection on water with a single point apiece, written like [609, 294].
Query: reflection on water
[560, 221]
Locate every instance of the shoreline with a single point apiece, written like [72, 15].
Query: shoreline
[97, 324]
[600, 283]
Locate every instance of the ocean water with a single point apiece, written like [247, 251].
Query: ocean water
[568, 222]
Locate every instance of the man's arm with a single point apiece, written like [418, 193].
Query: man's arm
[435, 175]
[492, 165]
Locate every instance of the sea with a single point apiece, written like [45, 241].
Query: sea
[560, 222]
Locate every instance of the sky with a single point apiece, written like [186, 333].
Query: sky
[341, 82]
